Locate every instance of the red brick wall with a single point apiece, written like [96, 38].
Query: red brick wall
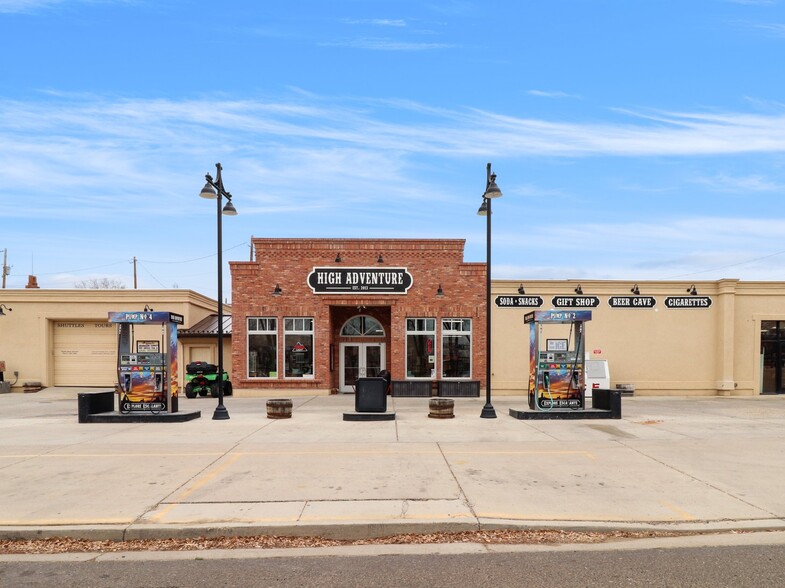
[287, 262]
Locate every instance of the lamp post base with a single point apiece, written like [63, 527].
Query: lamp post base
[488, 412]
[221, 414]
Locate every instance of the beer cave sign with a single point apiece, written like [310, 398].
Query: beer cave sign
[632, 302]
[360, 280]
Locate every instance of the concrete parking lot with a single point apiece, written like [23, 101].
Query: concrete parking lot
[671, 463]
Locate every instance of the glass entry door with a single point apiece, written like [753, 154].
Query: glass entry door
[773, 367]
[772, 348]
[360, 360]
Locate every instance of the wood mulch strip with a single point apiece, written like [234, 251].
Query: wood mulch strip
[532, 537]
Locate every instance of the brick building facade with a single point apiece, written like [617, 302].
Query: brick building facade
[315, 314]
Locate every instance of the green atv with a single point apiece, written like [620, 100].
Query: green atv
[202, 377]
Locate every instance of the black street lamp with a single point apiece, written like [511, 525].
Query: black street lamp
[215, 190]
[491, 191]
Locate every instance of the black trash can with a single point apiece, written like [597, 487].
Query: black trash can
[387, 378]
[370, 395]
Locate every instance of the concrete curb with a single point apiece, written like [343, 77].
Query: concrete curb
[373, 550]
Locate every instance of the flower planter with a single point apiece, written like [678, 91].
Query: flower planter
[441, 408]
[279, 408]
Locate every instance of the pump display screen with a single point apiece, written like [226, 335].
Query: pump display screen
[142, 359]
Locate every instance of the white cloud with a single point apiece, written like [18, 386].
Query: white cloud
[551, 94]
[382, 22]
[385, 44]
[690, 247]
[12, 6]
[32, 6]
[740, 184]
[106, 126]
[753, 2]
[105, 149]
[776, 28]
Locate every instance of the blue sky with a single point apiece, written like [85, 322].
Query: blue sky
[633, 140]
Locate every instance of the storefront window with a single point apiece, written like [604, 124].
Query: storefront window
[262, 347]
[456, 348]
[362, 326]
[420, 348]
[298, 347]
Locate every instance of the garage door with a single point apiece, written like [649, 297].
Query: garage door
[85, 353]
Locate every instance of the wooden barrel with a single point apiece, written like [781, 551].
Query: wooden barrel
[279, 408]
[441, 408]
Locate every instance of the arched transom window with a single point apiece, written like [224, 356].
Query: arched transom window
[362, 326]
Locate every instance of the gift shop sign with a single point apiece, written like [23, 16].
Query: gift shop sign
[360, 280]
[575, 301]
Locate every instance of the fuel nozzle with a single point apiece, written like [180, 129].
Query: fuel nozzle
[546, 380]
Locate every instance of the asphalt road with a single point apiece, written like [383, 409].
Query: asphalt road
[731, 566]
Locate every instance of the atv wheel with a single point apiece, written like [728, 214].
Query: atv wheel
[227, 388]
[214, 389]
[189, 390]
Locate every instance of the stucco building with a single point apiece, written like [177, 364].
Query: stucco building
[64, 338]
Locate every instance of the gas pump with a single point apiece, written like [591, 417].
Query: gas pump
[556, 374]
[147, 367]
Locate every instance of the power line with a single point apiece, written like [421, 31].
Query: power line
[244, 243]
[85, 269]
[80, 270]
[151, 275]
[725, 266]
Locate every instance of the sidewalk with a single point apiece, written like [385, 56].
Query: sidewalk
[679, 464]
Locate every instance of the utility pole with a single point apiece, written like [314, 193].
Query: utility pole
[134, 272]
[6, 269]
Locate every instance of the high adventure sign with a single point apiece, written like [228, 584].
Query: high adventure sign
[360, 280]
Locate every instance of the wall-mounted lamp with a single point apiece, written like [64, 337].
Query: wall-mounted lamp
[2, 306]
[277, 291]
[692, 290]
[579, 290]
[380, 259]
[148, 308]
[635, 290]
[338, 258]
[439, 291]
[521, 291]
